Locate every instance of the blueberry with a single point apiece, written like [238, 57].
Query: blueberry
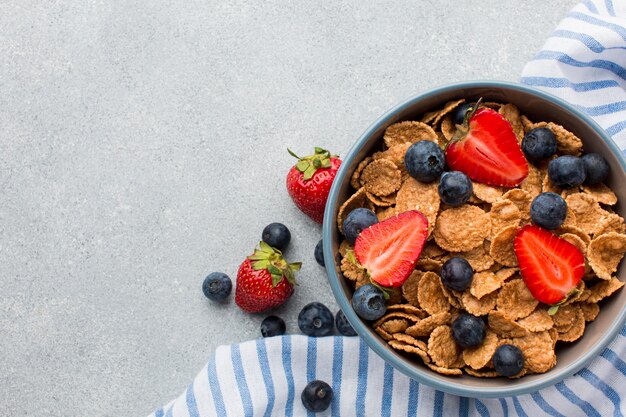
[343, 325]
[317, 396]
[276, 235]
[459, 113]
[368, 302]
[357, 220]
[319, 252]
[596, 168]
[539, 144]
[273, 326]
[455, 188]
[566, 171]
[468, 331]
[315, 319]
[456, 274]
[548, 210]
[217, 286]
[508, 360]
[424, 161]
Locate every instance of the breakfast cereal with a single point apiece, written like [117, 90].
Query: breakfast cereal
[420, 313]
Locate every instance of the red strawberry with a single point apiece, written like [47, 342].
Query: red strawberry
[550, 266]
[309, 181]
[390, 249]
[485, 148]
[264, 280]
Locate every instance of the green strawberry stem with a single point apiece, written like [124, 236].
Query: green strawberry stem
[463, 128]
[271, 259]
[308, 165]
[352, 258]
[555, 307]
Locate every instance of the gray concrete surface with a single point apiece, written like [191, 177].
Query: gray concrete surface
[143, 145]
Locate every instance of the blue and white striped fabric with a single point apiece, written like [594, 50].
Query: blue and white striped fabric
[584, 61]
[265, 378]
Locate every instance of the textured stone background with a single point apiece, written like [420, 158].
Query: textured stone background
[143, 145]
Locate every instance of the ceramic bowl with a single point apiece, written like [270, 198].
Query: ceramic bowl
[537, 106]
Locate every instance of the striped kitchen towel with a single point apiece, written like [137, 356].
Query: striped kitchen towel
[584, 61]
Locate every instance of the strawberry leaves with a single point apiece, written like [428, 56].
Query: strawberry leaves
[271, 259]
[308, 165]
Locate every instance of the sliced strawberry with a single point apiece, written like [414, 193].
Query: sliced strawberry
[485, 148]
[390, 249]
[550, 266]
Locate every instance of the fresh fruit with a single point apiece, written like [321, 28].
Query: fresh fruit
[459, 113]
[550, 266]
[508, 360]
[276, 235]
[596, 168]
[456, 274]
[566, 171]
[468, 331]
[317, 396]
[539, 144]
[343, 325]
[273, 326]
[356, 221]
[264, 280]
[368, 302]
[548, 210]
[455, 188]
[315, 319]
[485, 148]
[309, 181]
[217, 286]
[424, 161]
[389, 250]
[319, 253]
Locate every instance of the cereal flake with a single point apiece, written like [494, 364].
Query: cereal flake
[516, 300]
[462, 228]
[605, 253]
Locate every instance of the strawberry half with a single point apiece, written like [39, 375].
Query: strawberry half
[550, 266]
[389, 250]
[485, 148]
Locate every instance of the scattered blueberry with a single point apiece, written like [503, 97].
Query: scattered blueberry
[424, 161]
[508, 360]
[276, 235]
[539, 144]
[368, 302]
[455, 188]
[566, 171]
[319, 252]
[459, 113]
[217, 286]
[548, 210]
[596, 168]
[357, 220]
[315, 319]
[456, 273]
[343, 325]
[273, 326]
[317, 396]
[468, 331]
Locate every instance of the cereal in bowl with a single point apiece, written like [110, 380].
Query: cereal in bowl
[470, 261]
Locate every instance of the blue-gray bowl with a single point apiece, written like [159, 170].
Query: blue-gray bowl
[539, 106]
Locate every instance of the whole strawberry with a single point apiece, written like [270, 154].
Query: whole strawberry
[309, 181]
[264, 280]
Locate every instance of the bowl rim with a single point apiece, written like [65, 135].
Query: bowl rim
[378, 346]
